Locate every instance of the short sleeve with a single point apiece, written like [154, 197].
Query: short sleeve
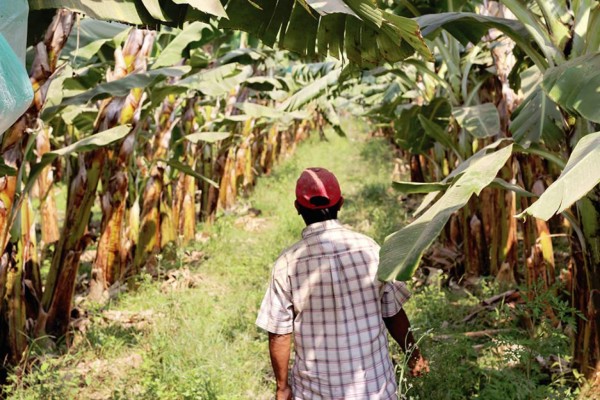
[395, 293]
[276, 313]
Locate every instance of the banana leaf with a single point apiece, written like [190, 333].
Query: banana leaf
[470, 27]
[580, 176]
[173, 52]
[575, 86]
[480, 121]
[537, 118]
[368, 34]
[402, 251]
[121, 87]
[92, 142]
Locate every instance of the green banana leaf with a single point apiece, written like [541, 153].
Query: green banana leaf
[368, 35]
[90, 35]
[537, 118]
[92, 142]
[499, 183]
[439, 134]
[209, 137]
[173, 52]
[470, 27]
[402, 250]
[6, 170]
[311, 91]
[419, 187]
[259, 111]
[480, 121]
[430, 187]
[138, 12]
[580, 175]
[121, 87]
[411, 133]
[186, 169]
[575, 86]
[216, 81]
[213, 82]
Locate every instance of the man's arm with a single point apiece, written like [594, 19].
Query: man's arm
[399, 327]
[279, 349]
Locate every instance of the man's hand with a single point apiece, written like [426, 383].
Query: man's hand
[418, 365]
[284, 393]
[399, 328]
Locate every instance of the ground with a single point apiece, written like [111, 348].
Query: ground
[191, 334]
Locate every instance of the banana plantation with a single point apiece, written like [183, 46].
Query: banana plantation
[128, 125]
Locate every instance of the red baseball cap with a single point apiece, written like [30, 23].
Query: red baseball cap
[317, 188]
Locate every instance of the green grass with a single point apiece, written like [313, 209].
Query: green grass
[201, 343]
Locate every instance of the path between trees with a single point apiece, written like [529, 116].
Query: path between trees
[191, 334]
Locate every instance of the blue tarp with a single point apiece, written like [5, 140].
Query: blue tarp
[16, 93]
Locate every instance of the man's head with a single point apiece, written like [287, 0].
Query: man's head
[318, 195]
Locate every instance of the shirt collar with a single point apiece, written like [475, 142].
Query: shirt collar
[319, 227]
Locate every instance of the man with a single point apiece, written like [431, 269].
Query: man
[324, 290]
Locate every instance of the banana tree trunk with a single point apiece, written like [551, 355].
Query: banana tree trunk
[209, 194]
[113, 244]
[227, 187]
[416, 170]
[537, 243]
[586, 288]
[184, 204]
[48, 210]
[13, 303]
[60, 282]
[87, 171]
[149, 242]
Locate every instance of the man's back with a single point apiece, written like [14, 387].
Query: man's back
[324, 289]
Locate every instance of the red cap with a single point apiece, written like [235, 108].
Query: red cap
[320, 184]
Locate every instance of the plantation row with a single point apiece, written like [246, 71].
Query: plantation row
[158, 155]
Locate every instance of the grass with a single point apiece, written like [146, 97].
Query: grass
[165, 342]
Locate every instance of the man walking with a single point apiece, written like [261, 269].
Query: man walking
[324, 291]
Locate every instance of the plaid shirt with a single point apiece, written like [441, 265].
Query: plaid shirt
[325, 290]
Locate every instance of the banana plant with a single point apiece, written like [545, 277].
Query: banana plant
[113, 247]
[555, 121]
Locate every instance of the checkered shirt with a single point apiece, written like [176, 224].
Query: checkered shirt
[325, 290]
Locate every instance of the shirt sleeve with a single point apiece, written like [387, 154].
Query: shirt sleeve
[395, 293]
[276, 313]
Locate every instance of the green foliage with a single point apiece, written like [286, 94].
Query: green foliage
[495, 368]
[470, 27]
[366, 33]
[574, 86]
[402, 251]
[50, 379]
[579, 176]
[480, 121]
[141, 12]
[411, 134]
